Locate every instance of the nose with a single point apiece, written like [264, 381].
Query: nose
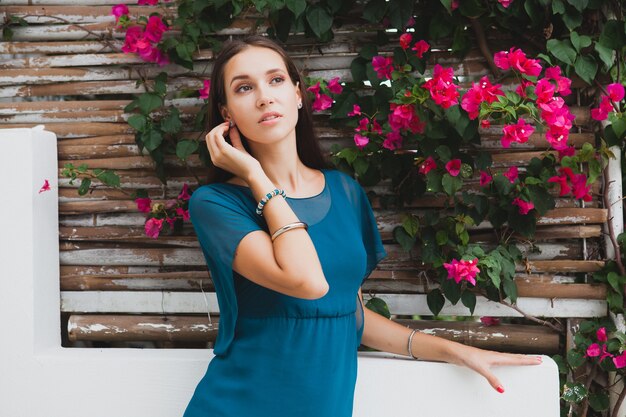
[265, 97]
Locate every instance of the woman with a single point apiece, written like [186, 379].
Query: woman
[289, 242]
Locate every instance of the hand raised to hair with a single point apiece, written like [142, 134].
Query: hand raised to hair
[233, 158]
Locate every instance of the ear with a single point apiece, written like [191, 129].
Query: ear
[298, 93]
[224, 112]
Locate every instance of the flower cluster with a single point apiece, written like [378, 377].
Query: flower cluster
[170, 211]
[518, 132]
[420, 47]
[365, 127]
[479, 92]
[324, 101]
[599, 350]
[568, 181]
[442, 88]
[204, 91]
[615, 95]
[515, 59]
[142, 38]
[462, 270]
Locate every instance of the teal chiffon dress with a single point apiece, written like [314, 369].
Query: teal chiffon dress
[277, 355]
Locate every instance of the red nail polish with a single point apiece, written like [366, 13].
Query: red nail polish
[500, 389]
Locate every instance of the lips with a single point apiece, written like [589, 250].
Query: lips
[269, 116]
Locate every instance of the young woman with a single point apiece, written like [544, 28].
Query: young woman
[289, 241]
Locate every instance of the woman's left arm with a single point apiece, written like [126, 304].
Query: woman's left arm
[386, 335]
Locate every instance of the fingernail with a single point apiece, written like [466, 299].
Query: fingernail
[540, 358]
[500, 389]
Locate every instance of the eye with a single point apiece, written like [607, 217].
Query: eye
[240, 87]
[281, 79]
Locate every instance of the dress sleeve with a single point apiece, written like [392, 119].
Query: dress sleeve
[371, 236]
[220, 221]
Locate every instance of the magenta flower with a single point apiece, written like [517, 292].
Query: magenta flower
[563, 83]
[620, 360]
[580, 187]
[454, 167]
[376, 127]
[479, 92]
[392, 141]
[420, 48]
[505, 3]
[593, 350]
[119, 10]
[334, 86]
[428, 165]
[485, 178]
[567, 151]
[322, 102]
[602, 112]
[518, 132]
[153, 227]
[516, 59]
[485, 124]
[184, 194]
[144, 204]
[441, 87]
[405, 41]
[561, 180]
[601, 334]
[455, 4]
[183, 213]
[170, 221]
[360, 141]
[204, 91]
[512, 173]
[133, 34]
[44, 187]
[403, 116]
[356, 111]
[315, 89]
[616, 92]
[462, 270]
[544, 90]
[383, 66]
[524, 206]
[148, 2]
[490, 321]
[155, 29]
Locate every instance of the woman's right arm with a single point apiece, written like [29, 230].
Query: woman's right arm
[289, 264]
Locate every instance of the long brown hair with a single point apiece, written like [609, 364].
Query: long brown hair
[307, 144]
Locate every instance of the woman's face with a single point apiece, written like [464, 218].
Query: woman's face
[256, 82]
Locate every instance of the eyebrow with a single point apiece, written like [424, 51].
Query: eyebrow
[244, 76]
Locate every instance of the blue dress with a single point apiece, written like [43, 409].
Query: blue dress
[278, 355]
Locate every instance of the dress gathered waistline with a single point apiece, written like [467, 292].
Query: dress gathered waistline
[326, 316]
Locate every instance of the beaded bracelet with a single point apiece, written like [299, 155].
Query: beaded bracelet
[268, 196]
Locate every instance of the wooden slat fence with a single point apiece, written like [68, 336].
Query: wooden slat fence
[66, 71]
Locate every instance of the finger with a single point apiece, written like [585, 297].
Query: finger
[492, 379]
[517, 359]
[219, 134]
[235, 138]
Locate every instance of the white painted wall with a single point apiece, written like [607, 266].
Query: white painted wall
[39, 378]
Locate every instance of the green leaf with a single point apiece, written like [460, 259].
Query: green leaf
[612, 36]
[451, 290]
[558, 7]
[152, 138]
[400, 11]
[433, 182]
[572, 19]
[137, 122]
[171, 123]
[599, 401]
[441, 237]
[586, 67]
[575, 358]
[411, 225]
[468, 299]
[580, 5]
[296, 6]
[319, 20]
[435, 301]
[185, 148]
[510, 289]
[444, 153]
[403, 238]
[451, 184]
[576, 392]
[471, 8]
[84, 186]
[579, 42]
[616, 301]
[378, 305]
[614, 280]
[562, 50]
[375, 10]
[149, 102]
[606, 55]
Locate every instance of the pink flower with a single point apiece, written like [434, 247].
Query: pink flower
[490, 321]
[455, 4]
[183, 213]
[602, 112]
[428, 165]
[564, 187]
[512, 173]
[170, 221]
[567, 151]
[184, 194]
[420, 48]
[516, 59]
[485, 178]
[563, 83]
[44, 187]
[521, 89]
[442, 89]
[119, 10]
[620, 360]
[405, 41]
[403, 116]
[524, 206]
[505, 3]
[581, 189]
[383, 66]
[204, 92]
[479, 92]
[392, 141]
[601, 334]
[376, 127]
[454, 167]
[364, 124]
[462, 270]
[315, 89]
[334, 86]
[544, 90]
[485, 124]
[171, 203]
[155, 29]
[519, 133]
[616, 92]
[593, 350]
[356, 111]
[133, 34]
[360, 140]
[153, 227]
[144, 204]
[148, 2]
[322, 102]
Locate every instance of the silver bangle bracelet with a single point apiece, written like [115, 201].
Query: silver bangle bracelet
[287, 227]
[410, 342]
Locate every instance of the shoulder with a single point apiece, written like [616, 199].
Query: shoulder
[348, 185]
[217, 196]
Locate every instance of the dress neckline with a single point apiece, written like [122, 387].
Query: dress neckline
[324, 190]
